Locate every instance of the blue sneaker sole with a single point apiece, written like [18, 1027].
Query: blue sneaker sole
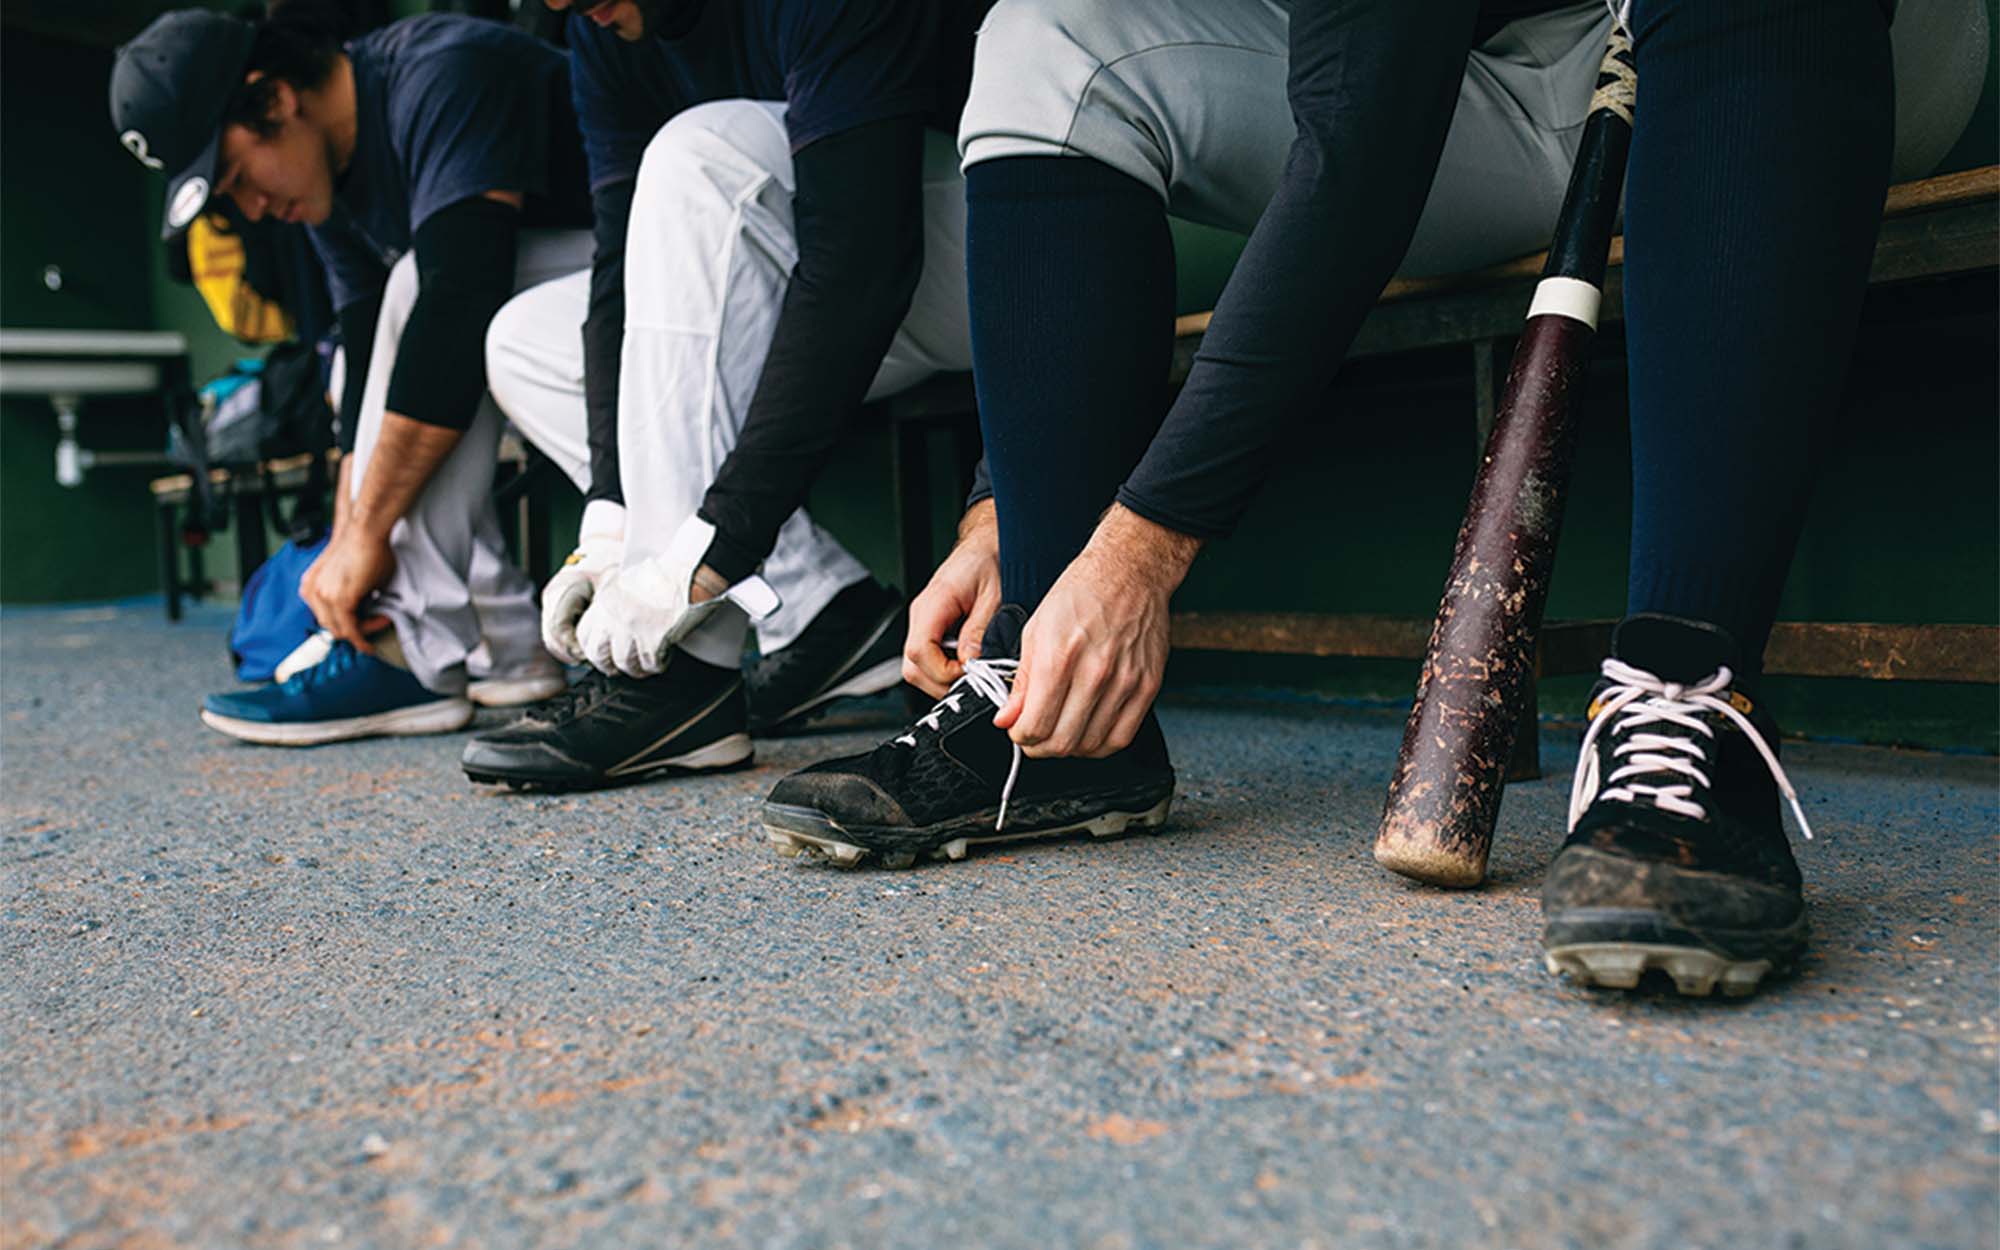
[441, 716]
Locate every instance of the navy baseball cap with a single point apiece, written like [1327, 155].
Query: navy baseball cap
[169, 88]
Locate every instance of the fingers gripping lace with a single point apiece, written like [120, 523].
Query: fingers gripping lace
[1637, 698]
[992, 680]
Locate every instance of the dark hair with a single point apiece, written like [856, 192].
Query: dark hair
[298, 42]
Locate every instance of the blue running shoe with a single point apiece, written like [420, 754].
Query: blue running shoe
[349, 694]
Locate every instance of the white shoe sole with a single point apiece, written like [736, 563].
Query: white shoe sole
[515, 691]
[722, 753]
[1620, 965]
[441, 717]
[884, 676]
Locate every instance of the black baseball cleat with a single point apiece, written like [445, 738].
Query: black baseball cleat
[852, 649]
[1676, 859]
[610, 731]
[952, 781]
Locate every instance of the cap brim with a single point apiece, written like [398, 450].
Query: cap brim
[188, 191]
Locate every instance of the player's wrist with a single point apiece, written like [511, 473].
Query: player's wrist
[1151, 553]
[980, 526]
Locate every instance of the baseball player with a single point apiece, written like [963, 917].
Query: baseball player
[1359, 138]
[779, 236]
[437, 163]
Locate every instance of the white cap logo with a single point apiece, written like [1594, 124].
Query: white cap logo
[187, 202]
[135, 143]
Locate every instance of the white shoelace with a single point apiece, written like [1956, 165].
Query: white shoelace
[1636, 698]
[989, 679]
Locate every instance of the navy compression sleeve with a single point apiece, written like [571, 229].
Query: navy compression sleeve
[859, 212]
[1372, 85]
[465, 271]
[604, 337]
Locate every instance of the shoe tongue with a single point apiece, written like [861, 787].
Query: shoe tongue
[1674, 648]
[1003, 633]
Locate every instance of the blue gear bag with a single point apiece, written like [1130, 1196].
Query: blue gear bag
[273, 620]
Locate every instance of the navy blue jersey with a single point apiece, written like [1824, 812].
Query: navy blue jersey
[837, 65]
[448, 107]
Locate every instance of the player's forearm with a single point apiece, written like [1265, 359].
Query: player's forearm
[343, 491]
[404, 459]
[859, 212]
[604, 338]
[1372, 86]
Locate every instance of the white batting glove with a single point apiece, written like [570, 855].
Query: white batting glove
[642, 609]
[600, 548]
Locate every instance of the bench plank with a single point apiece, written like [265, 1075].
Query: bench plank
[1968, 654]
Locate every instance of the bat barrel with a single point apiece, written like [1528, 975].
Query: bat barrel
[1437, 825]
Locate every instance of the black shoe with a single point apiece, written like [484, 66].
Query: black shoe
[608, 731]
[952, 780]
[1676, 858]
[853, 648]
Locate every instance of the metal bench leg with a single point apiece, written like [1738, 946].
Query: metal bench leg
[1526, 762]
[535, 538]
[910, 466]
[170, 557]
[913, 504]
[251, 548]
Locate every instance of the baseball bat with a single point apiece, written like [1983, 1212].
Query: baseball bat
[1438, 823]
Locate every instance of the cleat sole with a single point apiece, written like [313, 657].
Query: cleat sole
[1695, 972]
[723, 755]
[800, 831]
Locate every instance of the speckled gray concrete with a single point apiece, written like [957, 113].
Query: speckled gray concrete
[264, 998]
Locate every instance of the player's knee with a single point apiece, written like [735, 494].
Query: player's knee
[713, 149]
[1040, 87]
[508, 336]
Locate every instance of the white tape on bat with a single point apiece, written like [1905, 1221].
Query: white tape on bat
[1567, 297]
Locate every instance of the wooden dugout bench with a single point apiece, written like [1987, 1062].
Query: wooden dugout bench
[1936, 229]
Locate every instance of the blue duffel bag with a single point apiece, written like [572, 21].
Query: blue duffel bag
[273, 620]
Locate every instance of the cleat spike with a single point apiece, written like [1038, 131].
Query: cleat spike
[1613, 969]
[1739, 980]
[955, 849]
[1694, 973]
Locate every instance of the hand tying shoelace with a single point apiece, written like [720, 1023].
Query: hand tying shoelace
[1637, 698]
[992, 680]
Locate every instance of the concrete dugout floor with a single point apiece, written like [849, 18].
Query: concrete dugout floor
[338, 997]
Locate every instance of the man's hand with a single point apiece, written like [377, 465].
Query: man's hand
[358, 559]
[642, 609]
[964, 592]
[1094, 652]
[639, 612]
[353, 567]
[568, 594]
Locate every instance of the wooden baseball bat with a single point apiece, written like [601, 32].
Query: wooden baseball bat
[1438, 823]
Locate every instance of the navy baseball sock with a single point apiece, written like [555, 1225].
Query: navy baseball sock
[1071, 273]
[1759, 160]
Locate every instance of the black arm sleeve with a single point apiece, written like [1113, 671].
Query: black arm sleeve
[1372, 87]
[982, 485]
[604, 337]
[859, 209]
[357, 343]
[465, 271]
